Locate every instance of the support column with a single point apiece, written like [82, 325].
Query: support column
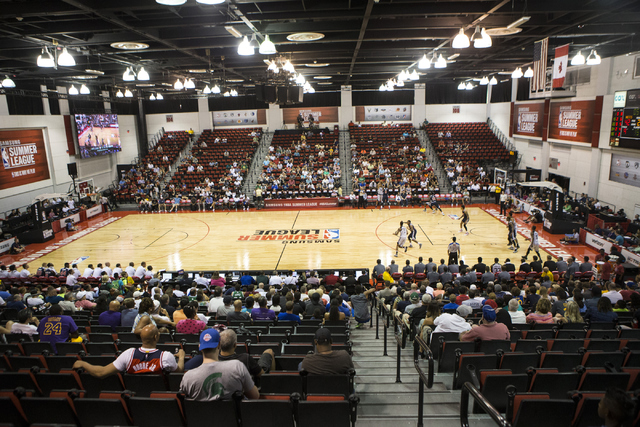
[143, 143]
[64, 103]
[274, 117]
[346, 107]
[488, 111]
[107, 99]
[204, 115]
[45, 101]
[514, 90]
[419, 104]
[4, 106]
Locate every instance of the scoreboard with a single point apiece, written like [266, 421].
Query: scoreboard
[625, 123]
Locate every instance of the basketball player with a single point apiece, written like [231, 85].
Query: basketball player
[465, 220]
[413, 233]
[513, 234]
[433, 203]
[380, 195]
[385, 198]
[402, 240]
[535, 243]
[454, 251]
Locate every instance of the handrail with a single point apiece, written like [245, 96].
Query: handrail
[385, 313]
[401, 340]
[419, 343]
[469, 389]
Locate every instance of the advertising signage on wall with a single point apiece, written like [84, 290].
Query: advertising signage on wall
[24, 159]
[527, 119]
[239, 118]
[381, 113]
[320, 114]
[571, 121]
[625, 169]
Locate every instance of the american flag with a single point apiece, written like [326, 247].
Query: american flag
[539, 65]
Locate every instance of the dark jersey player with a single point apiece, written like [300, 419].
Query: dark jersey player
[465, 220]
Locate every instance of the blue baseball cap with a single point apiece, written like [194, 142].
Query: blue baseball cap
[488, 313]
[209, 338]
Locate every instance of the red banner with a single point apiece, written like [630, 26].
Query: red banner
[571, 121]
[528, 119]
[24, 159]
[319, 202]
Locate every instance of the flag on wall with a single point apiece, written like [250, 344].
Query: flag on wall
[560, 63]
[539, 65]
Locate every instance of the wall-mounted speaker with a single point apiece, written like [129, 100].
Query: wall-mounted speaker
[72, 168]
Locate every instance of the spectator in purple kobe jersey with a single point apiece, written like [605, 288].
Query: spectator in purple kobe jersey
[57, 327]
[111, 317]
[262, 312]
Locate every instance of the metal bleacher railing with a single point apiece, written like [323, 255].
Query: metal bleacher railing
[401, 332]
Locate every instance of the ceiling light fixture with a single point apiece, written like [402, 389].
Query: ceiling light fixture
[288, 66]
[477, 34]
[441, 62]
[89, 70]
[46, 61]
[128, 94]
[493, 81]
[402, 76]
[424, 62]
[84, 90]
[245, 48]
[482, 42]
[461, 40]
[119, 94]
[414, 75]
[171, 2]
[300, 79]
[215, 89]
[400, 83]
[529, 73]
[578, 59]
[210, 2]
[518, 22]
[593, 58]
[234, 92]
[207, 90]
[142, 74]
[189, 84]
[484, 81]
[65, 59]
[73, 90]
[178, 85]
[267, 47]
[159, 97]
[8, 83]
[462, 86]
[382, 88]
[469, 86]
[128, 75]
[152, 97]
[517, 73]
[226, 94]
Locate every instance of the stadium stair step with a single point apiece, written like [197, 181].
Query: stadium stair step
[384, 401]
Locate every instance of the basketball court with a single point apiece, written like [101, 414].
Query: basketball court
[109, 135]
[268, 240]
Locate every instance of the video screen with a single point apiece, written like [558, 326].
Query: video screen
[98, 134]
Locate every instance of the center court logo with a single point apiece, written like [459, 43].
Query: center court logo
[317, 235]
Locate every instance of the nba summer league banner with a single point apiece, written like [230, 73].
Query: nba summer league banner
[24, 159]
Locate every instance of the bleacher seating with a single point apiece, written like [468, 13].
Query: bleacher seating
[216, 160]
[31, 393]
[292, 166]
[409, 167]
[163, 155]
